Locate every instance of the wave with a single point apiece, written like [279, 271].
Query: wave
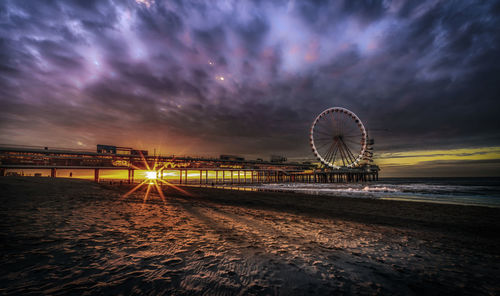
[443, 193]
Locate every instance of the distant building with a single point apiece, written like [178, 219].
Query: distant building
[278, 158]
[119, 150]
[232, 157]
[106, 149]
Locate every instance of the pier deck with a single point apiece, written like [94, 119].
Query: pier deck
[211, 170]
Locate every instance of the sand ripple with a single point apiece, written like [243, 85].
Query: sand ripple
[75, 237]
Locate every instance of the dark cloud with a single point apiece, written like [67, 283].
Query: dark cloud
[370, 10]
[159, 21]
[212, 39]
[248, 77]
[253, 33]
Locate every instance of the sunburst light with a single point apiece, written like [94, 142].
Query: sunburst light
[152, 180]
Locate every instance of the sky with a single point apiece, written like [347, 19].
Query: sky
[249, 77]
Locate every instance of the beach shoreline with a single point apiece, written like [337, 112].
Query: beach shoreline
[66, 235]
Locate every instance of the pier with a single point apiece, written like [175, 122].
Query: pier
[188, 170]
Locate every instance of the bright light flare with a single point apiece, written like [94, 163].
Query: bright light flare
[151, 175]
[152, 180]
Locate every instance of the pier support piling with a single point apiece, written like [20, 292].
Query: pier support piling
[130, 176]
[96, 175]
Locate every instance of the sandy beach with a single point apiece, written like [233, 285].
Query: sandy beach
[62, 236]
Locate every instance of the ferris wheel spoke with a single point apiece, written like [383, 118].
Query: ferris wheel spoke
[351, 141]
[322, 125]
[335, 155]
[349, 153]
[322, 145]
[324, 137]
[339, 153]
[324, 133]
[339, 124]
[344, 123]
[352, 136]
[327, 155]
[346, 154]
[333, 122]
[342, 155]
[321, 141]
[330, 151]
[353, 146]
[327, 130]
[350, 130]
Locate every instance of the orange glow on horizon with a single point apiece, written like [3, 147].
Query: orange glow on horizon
[151, 177]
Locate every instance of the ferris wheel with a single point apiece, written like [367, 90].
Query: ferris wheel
[338, 138]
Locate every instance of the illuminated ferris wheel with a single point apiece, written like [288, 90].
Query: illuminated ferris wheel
[338, 138]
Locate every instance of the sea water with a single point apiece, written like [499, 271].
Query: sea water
[466, 191]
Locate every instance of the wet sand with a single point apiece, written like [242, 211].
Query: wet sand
[61, 236]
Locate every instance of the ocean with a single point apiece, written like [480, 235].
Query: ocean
[465, 191]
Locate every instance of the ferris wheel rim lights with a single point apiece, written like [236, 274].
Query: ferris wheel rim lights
[358, 122]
